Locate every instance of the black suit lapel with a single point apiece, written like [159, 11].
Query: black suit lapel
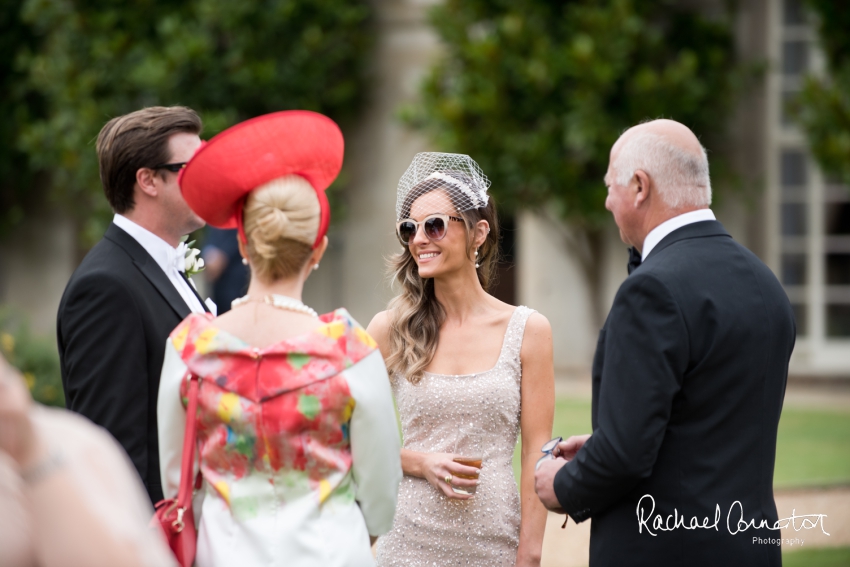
[149, 268]
[194, 291]
[699, 229]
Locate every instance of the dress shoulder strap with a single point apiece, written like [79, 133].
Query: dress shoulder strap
[513, 336]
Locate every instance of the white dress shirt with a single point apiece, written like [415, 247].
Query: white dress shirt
[658, 233]
[166, 257]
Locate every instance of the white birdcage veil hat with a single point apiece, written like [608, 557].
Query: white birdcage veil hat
[456, 174]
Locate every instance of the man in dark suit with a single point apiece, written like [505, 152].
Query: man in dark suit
[131, 290]
[688, 378]
[224, 268]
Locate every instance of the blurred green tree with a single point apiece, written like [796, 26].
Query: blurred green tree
[34, 355]
[537, 92]
[95, 59]
[823, 106]
[19, 180]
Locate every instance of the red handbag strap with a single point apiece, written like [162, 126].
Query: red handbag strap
[184, 494]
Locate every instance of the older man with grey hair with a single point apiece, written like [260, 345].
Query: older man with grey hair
[688, 378]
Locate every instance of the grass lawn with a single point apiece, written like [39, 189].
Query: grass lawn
[572, 417]
[817, 557]
[813, 448]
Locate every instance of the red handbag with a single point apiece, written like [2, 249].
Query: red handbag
[174, 515]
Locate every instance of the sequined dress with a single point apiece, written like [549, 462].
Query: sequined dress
[429, 528]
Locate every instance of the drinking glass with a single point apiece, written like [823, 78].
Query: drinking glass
[469, 444]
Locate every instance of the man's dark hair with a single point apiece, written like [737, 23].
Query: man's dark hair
[136, 140]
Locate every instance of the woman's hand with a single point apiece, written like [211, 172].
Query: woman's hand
[436, 467]
[18, 436]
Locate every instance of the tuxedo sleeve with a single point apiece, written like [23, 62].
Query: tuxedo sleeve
[645, 358]
[104, 362]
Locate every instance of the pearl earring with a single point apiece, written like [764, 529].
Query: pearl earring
[315, 267]
[244, 261]
[477, 265]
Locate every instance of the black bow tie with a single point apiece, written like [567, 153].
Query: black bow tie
[634, 259]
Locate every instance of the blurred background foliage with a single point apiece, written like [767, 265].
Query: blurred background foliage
[70, 65]
[538, 91]
[823, 106]
[19, 106]
[35, 356]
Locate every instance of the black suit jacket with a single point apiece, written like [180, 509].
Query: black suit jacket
[688, 382]
[114, 318]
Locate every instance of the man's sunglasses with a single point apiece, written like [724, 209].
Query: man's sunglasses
[548, 451]
[435, 227]
[172, 167]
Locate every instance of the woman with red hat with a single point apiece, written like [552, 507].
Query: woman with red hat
[296, 433]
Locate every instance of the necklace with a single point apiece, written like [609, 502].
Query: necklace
[278, 301]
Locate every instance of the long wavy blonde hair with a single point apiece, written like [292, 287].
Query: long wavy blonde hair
[415, 314]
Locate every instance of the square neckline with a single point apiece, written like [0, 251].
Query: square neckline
[498, 360]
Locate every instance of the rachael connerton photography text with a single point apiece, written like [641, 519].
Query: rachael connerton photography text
[735, 522]
[788, 542]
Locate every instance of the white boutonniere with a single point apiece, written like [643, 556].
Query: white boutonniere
[194, 263]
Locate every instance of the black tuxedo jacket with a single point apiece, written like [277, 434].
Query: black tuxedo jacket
[114, 318]
[688, 382]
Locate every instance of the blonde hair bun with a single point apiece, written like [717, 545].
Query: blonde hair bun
[281, 221]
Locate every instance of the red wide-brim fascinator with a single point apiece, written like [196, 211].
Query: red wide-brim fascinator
[218, 178]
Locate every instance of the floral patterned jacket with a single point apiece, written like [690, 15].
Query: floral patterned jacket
[297, 442]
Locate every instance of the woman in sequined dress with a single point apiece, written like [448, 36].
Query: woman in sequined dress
[460, 357]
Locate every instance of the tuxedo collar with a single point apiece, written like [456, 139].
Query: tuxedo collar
[658, 233]
[149, 268]
[701, 229]
[161, 251]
